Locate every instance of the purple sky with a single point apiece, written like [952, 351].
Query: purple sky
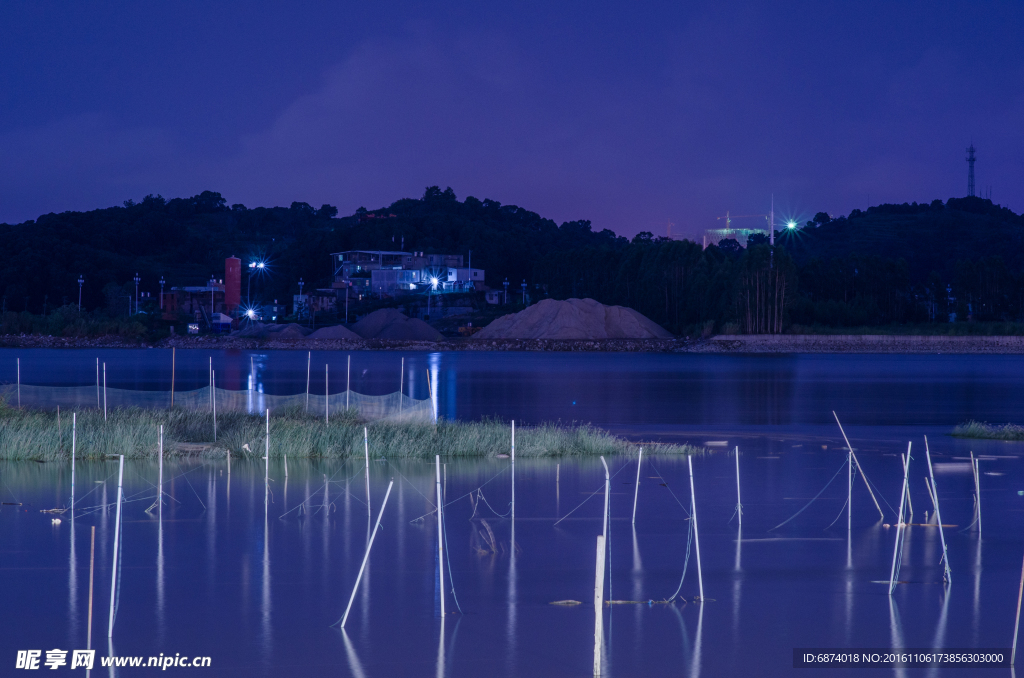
[631, 115]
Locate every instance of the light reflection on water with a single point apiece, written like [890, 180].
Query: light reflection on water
[258, 591]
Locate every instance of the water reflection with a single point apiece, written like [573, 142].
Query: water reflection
[282, 608]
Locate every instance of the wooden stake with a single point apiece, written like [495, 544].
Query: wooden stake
[854, 460]
[19, 382]
[599, 604]
[636, 490]
[366, 557]
[348, 380]
[899, 521]
[309, 366]
[104, 391]
[213, 397]
[117, 544]
[739, 504]
[440, 528]
[160, 492]
[366, 452]
[947, 574]
[74, 432]
[98, 385]
[1016, 626]
[327, 396]
[92, 571]
[266, 469]
[696, 535]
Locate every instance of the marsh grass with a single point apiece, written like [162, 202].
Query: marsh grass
[977, 429]
[133, 432]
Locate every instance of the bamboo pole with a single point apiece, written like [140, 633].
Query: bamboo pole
[854, 459]
[160, 492]
[696, 535]
[401, 385]
[513, 458]
[440, 528]
[286, 467]
[211, 384]
[636, 490]
[213, 393]
[117, 544]
[74, 436]
[98, 386]
[739, 504]
[19, 382]
[599, 604]
[104, 391]
[366, 453]
[92, 571]
[899, 521]
[327, 396]
[977, 490]
[947, 574]
[266, 469]
[309, 366]
[1016, 625]
[348, 380]
[366, 557]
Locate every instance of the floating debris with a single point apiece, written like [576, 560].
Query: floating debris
[565, 602]
[53, 510]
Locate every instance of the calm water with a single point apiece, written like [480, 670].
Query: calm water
[258, 591]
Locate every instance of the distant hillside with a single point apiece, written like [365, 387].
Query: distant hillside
[888, 264]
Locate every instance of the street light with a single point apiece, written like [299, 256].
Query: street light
[81, 280]
[162, 281]
[136, 292]
[791, 225]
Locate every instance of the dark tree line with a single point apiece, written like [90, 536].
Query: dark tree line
[886, 265]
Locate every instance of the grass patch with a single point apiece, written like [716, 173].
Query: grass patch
[977, 429]
[133, 432]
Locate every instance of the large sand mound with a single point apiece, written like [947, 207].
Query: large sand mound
[389, 323]
[335, 332]
[574, 319]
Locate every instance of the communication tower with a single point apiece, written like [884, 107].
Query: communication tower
[970, 171]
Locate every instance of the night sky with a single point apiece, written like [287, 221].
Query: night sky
[631, 115]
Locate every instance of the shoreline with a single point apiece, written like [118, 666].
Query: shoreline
[720, 344]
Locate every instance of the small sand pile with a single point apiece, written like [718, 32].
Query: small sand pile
[389, 323]
[335, 332]
[574, 319]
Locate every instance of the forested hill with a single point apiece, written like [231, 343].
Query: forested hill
[187, 239]
[930, 237]
[886, 264]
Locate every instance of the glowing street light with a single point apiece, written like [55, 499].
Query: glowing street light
[791, 225]
[433, 283]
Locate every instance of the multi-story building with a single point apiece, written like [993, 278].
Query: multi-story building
[389, 273]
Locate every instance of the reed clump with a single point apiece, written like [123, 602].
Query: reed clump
[977, 429]
[133, 432]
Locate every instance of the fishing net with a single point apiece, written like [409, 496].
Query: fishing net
[391, 407]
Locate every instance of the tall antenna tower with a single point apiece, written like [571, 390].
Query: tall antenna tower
[970, 171]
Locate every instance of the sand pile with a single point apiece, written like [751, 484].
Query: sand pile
[335, 332]
[574, 319]
[389, 323]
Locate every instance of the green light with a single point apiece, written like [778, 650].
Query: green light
[791, 225]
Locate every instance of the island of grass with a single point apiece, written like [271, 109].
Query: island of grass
[984, 431]
[41, 435]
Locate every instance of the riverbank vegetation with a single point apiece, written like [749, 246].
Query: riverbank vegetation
[977, 429]
[37, 435]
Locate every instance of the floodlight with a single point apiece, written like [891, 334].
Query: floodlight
[791, 225]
